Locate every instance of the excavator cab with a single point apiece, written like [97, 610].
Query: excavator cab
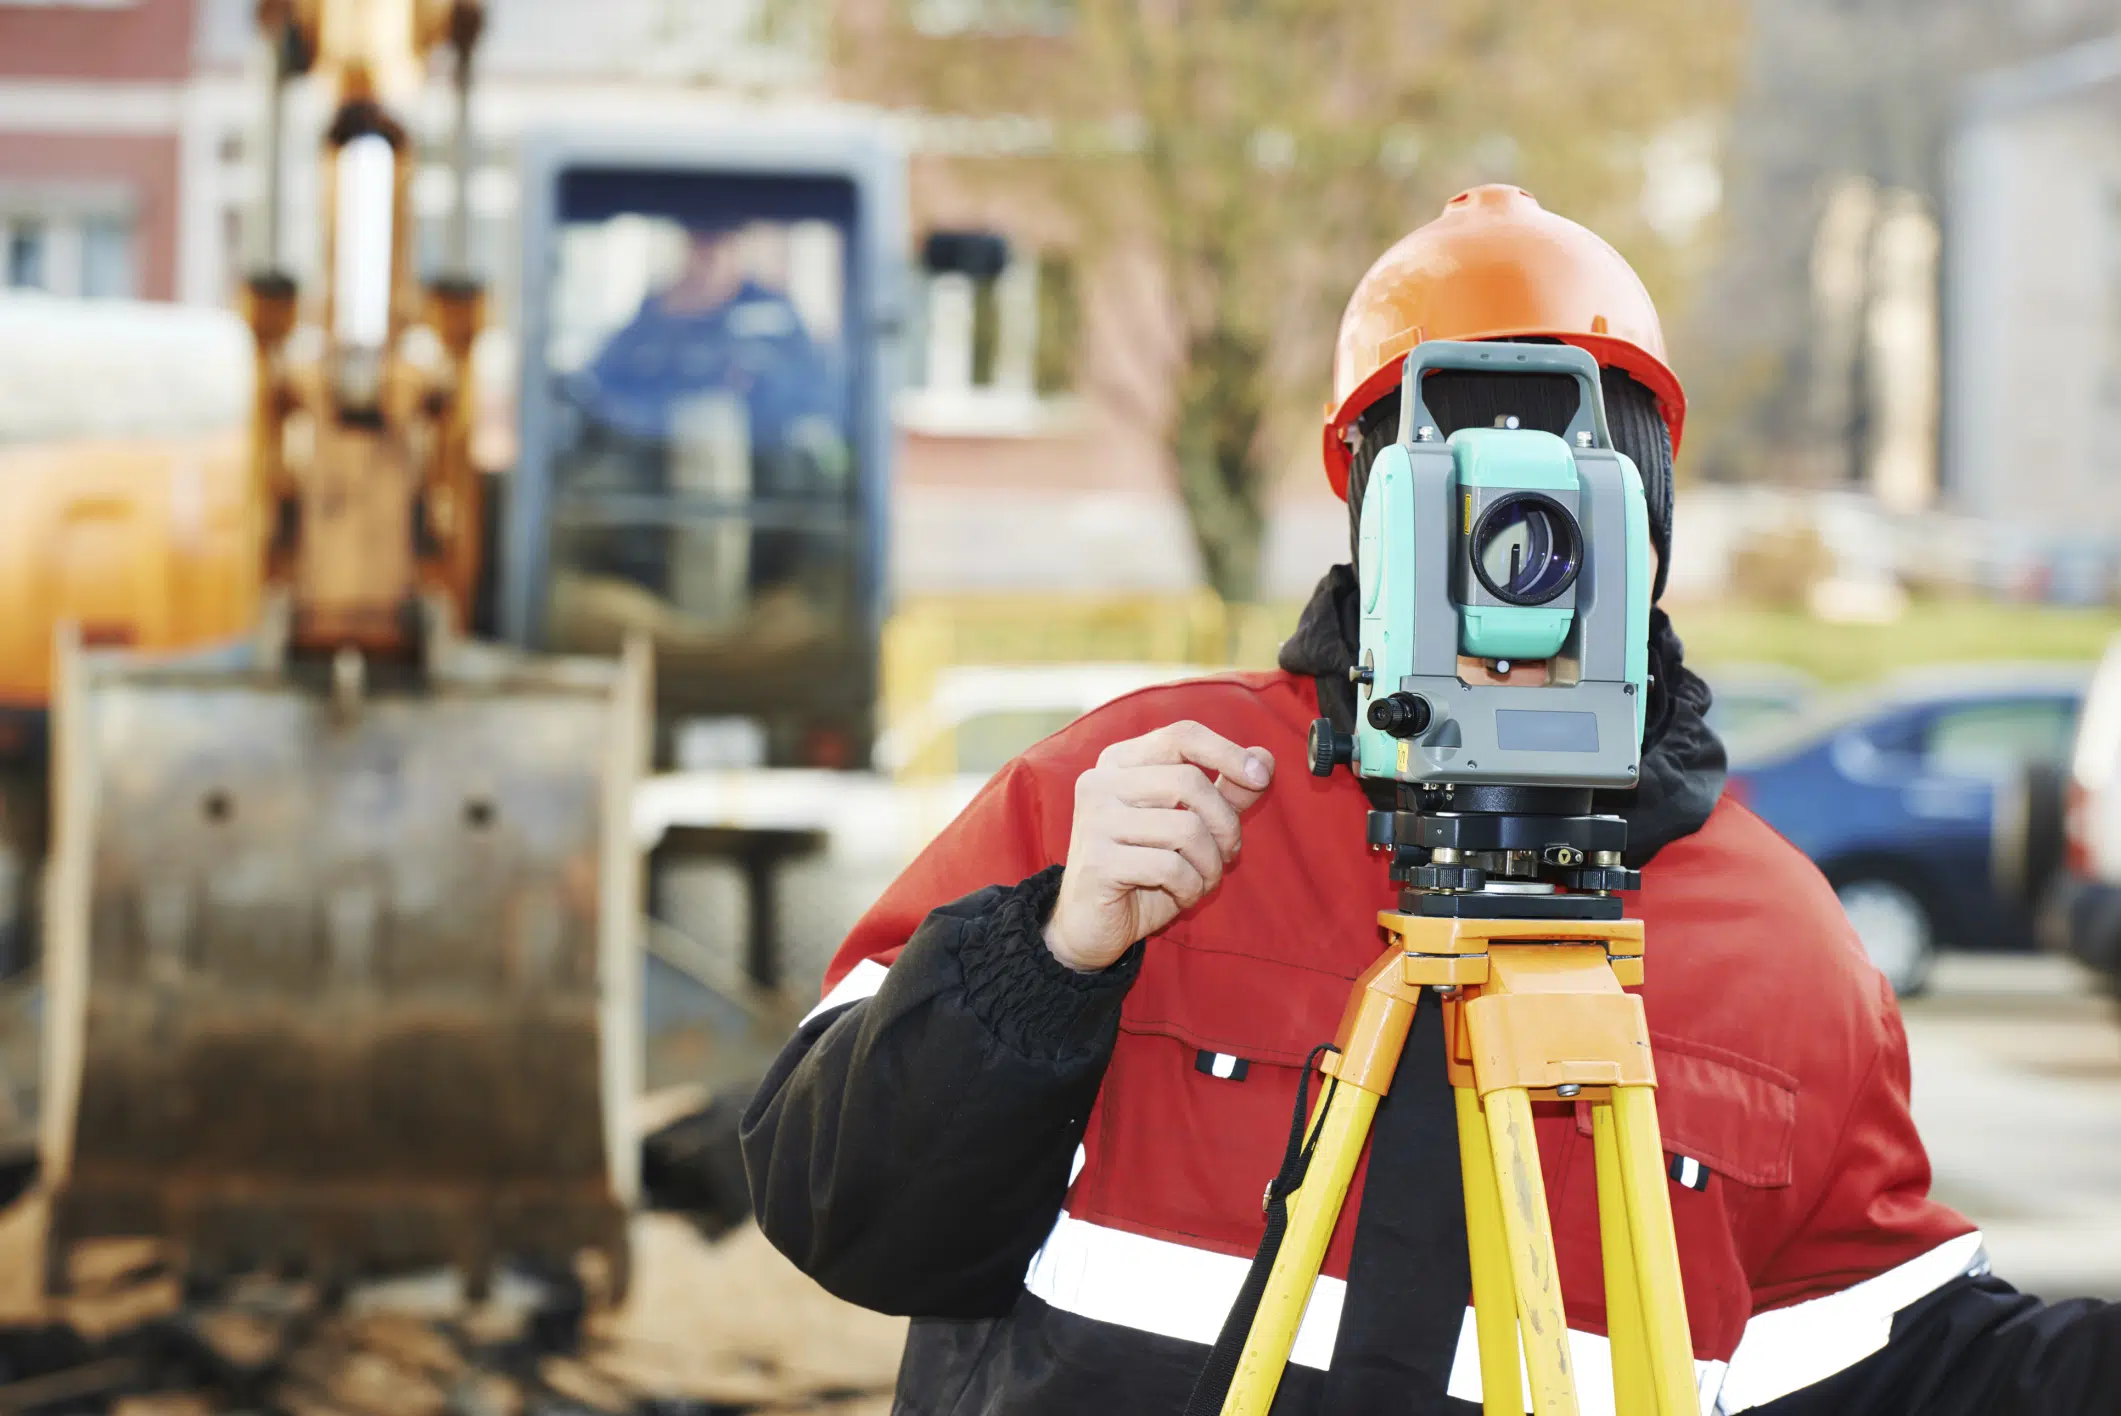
[707, 337]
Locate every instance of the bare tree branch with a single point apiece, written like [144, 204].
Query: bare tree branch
[1244, 147]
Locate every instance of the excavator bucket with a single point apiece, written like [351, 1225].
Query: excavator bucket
[342, 978]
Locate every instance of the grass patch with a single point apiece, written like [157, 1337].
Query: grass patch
[1931, 632]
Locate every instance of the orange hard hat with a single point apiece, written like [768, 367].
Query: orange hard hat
[1494, 265]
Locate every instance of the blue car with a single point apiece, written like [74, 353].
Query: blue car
[1894, 796]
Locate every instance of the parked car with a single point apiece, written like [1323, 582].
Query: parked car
[2079, 907]
[1894, 794]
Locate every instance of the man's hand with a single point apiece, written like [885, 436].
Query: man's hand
[1155, 825]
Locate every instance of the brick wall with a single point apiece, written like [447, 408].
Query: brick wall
[145, 39]
[146, 165]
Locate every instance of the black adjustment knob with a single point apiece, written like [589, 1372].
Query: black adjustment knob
[1602, 877]
[1454, 878]
[1402, 714]
[1329, 749]
[1406, 860]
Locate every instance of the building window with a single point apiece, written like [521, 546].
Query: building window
[107, 258]
[27, 250]
[66, 252]
[1053, 363]
[995, 356]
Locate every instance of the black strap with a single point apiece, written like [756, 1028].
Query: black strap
[1213, 1384]
[1408, 1275]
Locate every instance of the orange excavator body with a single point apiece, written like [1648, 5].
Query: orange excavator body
[126, 506]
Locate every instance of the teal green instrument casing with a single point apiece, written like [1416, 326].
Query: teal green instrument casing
[1504, 460]
[1421, 610]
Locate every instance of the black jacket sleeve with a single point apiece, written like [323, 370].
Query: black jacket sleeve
[1978, 1347]
[911, 1151]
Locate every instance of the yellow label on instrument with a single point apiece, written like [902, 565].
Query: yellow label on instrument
[1467, 529]
[1403, 746]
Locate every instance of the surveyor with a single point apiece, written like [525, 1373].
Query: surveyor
[1055, 1064]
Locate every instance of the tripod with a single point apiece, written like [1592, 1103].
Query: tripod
[1530, 983]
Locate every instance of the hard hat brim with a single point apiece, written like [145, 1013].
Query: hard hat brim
[1610, 353]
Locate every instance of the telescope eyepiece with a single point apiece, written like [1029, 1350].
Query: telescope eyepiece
[1401, 715]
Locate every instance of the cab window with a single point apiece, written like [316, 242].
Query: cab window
[705, 418]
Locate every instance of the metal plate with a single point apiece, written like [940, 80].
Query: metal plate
[344, 987]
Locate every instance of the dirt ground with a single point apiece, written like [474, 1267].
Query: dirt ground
[734, 1322]
[718, 1327]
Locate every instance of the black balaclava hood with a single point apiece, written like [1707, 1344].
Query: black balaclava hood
[1682, 761]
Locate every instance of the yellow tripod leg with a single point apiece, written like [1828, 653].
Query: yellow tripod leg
[1623, 1299]
[1313, 1210]
[1494, 1302]
[1541, 1322]
[1669, 1344]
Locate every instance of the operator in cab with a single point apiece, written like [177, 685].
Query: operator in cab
[1056, 1063]
[725, 324]
[718, 390]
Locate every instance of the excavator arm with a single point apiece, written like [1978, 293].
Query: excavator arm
[363, 447]
[340, 931]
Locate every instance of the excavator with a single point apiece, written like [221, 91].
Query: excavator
[340, 917]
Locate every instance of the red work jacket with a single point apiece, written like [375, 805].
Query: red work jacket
[1799, 1189]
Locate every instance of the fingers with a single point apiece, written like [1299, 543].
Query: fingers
[1179, 742]
[1173, 829]
[1156, 825]
[1181, 786]
[1242, 790]
[1147, 868]
[1242, 772]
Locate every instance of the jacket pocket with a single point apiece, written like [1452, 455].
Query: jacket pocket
[1195, 1108]
[1733, 1115]
[1238, 1005]
[1728, 1124]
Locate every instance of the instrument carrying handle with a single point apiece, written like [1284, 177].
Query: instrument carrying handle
[1481, 356]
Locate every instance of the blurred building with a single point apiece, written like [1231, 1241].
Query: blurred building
[128, 133]
[2033, 302]
[97, 138]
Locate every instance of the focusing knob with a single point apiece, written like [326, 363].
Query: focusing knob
[1329, 749]
[1401, 715]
